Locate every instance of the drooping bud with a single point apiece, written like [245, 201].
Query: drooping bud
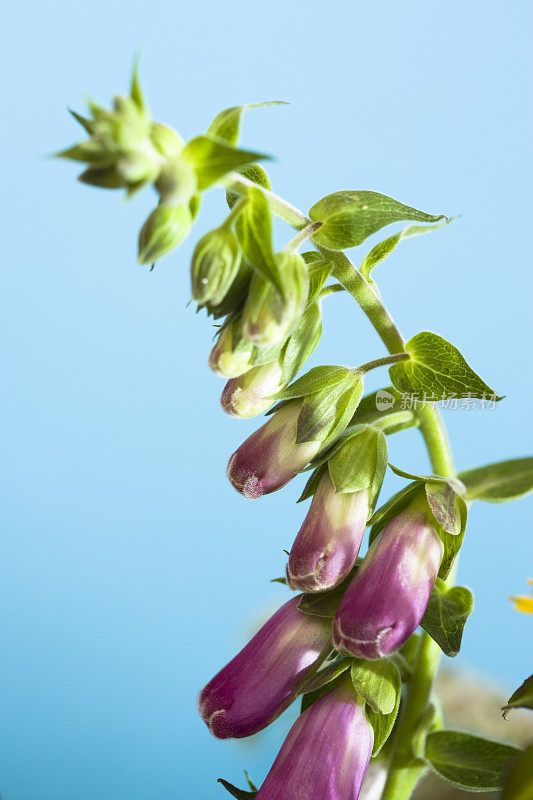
[215, 263]
[232, 355]
[271, 457]
[254, 392]
[269, 315]
[328, 542]
[165, 229]
[386, 599]
[326, 753]
[262, 680]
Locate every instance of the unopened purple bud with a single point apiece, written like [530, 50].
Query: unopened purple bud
[328, 542]
[254, 392]
[386, 600]
[326, 753]
[270, 457]
[261, 681]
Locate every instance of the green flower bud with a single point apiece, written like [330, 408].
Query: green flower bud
[254, 392]
[176, 182]
[165, 229]
[236, 294]
[166, 141]
[215, 262]
[232, 354]
[269, 317]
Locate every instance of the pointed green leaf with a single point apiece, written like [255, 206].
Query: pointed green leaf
[302, 342]
[350, 217]
[226, 125]
[469, 762]
[213, 158]
[499, 482]
[446, 615]
[436, 370]
[320, 379]
[378, 682]
[254, 230]
[380, 252]
[522, 698]
[360, 463]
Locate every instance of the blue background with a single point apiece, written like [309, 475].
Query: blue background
[131, 571]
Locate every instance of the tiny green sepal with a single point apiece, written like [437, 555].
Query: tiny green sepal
[240, 794]
[436, 370]
[350, 217]
[521, 698]
[469, 762]
[499, 482]
[324, 676]
[446, 614]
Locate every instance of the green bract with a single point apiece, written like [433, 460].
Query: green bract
[165, 229]
[446, 615]
[348, 218]
[330, 397]
[215, 263]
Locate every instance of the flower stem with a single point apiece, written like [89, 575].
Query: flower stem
[393, 358]
[406, 768]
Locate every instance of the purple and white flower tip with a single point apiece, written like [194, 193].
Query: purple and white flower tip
[328, 542]
[270, 457]
[254, 392]
[386, 600]
[326, 754]
[261, 681]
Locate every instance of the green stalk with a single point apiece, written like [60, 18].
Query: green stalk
[406, 769]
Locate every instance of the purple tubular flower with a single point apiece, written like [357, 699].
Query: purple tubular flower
[328, 542]
[326, 753]
[386, 600]
[270, 457]
[261, 681]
